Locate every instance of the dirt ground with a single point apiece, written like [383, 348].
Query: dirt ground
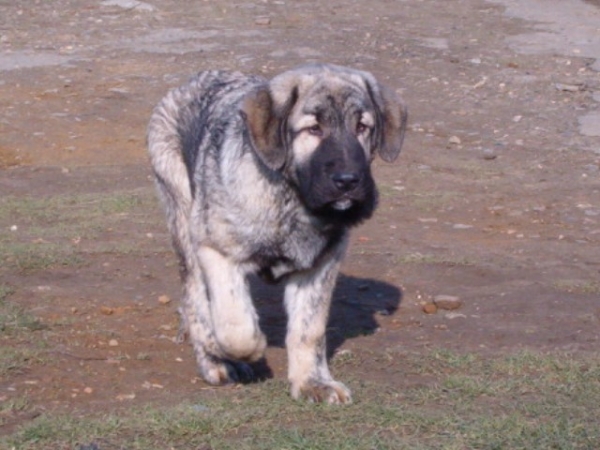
[495, 198]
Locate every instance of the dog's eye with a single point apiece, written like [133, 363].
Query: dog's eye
[315, 130]
[361, 128]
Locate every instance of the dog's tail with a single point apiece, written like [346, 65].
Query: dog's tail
[166, 151]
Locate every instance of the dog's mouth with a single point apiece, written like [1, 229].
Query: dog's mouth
[342, 204]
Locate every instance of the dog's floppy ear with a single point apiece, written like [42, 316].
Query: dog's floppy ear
[266, 123]
[392, 116]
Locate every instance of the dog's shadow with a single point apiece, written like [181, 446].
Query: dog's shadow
[356, 304]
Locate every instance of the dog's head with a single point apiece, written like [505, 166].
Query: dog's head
[322, 125]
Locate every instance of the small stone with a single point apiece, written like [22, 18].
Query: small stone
[462, 226]
[107, 310]
[447, 302]
[429, 308]
[14, 228]
[517, 119]
[489, 154]
[262, 21]
[454, 140]
[569, 87]
[88, 390]
[113, 343]
[455, 315]
[164, 299]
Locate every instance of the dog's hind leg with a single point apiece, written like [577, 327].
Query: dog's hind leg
[213, 364]
[172, 180]
[234, 317]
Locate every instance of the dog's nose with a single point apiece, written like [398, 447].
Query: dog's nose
[345, 181]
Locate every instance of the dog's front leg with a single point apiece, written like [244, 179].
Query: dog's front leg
[307, 301]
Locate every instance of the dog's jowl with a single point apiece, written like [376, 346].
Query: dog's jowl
[267, 176]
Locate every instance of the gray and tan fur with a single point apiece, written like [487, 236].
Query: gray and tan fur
[267, 177]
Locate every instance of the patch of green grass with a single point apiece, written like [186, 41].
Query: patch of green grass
[29, 257]
[58, 230]
[465, 401]
[14, 360]
[15, 323]
[5, 292]
[14, 319]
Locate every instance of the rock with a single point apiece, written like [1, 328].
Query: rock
[113, 343]
[130, 4]
[569, 87]
[455, 315]
[88, 390]
[462, 226]
[489, 154]
[447, 302]
[164, 299]
[429, 308]
[262, 21]
[107, 310]
[454, 140]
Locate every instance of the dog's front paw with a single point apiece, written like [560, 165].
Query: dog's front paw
[322, 391]
[218, 371]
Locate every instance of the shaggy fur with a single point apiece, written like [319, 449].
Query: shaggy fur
[267, 176]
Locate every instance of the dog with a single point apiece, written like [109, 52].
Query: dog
[268, 177]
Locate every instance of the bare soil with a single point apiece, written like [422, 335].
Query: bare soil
[495, 198]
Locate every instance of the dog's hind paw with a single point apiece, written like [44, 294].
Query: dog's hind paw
[218, 371]
[317, 391]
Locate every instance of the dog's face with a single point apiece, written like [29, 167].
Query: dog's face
[322, 126]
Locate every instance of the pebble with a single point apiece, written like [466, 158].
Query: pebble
[454, 315]
[461, 226]
[489, 154]
[262, 21]
[447, 302]
[429, 308]
[113, 343]
[88, 390]
[568, 87]
[107, 311]
[130, 4]
[454, 140]
[14, 228]
[164, 299]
